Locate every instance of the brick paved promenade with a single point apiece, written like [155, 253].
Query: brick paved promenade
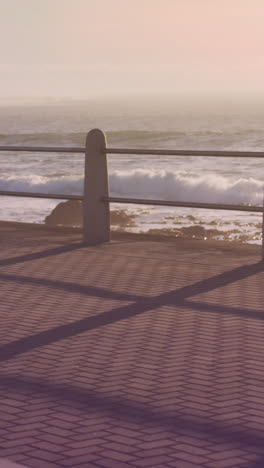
[136, 353]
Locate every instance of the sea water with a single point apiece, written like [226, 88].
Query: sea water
[154, 122]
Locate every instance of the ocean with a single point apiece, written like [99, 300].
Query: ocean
[154, 122]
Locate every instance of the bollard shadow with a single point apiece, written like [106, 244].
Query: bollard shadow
[42, 254]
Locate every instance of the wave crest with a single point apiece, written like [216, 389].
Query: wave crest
[168, 185]
[145, 183]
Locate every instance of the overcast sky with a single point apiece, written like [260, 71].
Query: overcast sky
[86, 47]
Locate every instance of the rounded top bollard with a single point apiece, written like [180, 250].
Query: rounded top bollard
[96, 215]
[95, 140]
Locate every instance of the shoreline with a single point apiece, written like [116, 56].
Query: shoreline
[73, 233]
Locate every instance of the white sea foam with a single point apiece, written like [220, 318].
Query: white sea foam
[184, 187]
[35, 183]
[158, 184]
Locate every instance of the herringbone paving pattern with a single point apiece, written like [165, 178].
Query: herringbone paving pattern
[129, 354]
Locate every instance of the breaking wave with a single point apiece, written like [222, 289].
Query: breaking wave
[158, 184]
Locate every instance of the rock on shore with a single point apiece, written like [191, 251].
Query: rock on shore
[70, 213]
[67, 213]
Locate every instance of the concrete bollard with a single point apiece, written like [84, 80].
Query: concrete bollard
[96, 213]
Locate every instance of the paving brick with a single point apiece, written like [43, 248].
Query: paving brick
[123, 440]
[16, 442]
[83, 435]
[192, 449]
[230, 463]
[57, 431]
[190, 457]
[104, 462]
[182, 464]
[120, 456]
[79, 460]
[47, 446]
[156, 444]
[28, 427]
[45, 455]
[37, 463]
[121, 447]
[156, 452]
[10, 451]
[153, 461]
[86, 443]
[227, 454]
[17, 459]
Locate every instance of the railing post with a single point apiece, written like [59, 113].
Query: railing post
[96, 216]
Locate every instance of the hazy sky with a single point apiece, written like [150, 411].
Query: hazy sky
[87, 47]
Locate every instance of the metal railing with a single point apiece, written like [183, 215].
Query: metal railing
[96, 199]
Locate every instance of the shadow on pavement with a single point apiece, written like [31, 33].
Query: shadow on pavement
[175, 298]
[127, 410]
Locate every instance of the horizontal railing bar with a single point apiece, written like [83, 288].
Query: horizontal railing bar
[136, 151]
[137, 201]
[58, 196]
[43, 149]
[212, 153]
[216, 206]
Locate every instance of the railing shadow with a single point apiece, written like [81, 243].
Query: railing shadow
[224, 310]
[257, 464]
[127, 410]
[176, 298]
[67, 286]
